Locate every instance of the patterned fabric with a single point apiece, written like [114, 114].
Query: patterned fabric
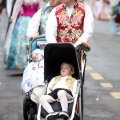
[17, 57]
[17, 54]
[70, 29]
[69, 81]
[33, 76]
[44, 17]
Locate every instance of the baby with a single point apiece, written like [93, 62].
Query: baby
[33, 75]
[62, 88]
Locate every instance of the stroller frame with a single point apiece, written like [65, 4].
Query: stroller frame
[67, 49]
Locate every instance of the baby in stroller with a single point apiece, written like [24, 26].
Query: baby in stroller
[33, 76]
[61, 88]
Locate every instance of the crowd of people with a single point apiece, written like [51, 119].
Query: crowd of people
[108, 10]
[101, 9]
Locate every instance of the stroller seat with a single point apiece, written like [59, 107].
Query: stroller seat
[54, 55]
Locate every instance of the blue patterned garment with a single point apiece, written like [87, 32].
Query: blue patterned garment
[44, 17]
[17, 57]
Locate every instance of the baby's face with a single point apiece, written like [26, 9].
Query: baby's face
[66, 70]
[37, 56]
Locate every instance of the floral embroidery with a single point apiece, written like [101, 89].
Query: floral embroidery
[70, 29]
[69, 82]
[44, 17]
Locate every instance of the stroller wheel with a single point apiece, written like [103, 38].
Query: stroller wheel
[25, 109]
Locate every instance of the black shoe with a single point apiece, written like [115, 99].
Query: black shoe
[63, 114]
[52, 116]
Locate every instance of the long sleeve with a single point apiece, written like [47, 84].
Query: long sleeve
[51, 27]
[88, 26]
[34, 24]
[17, 8]
[9, 7]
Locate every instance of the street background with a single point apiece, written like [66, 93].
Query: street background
[101, 87]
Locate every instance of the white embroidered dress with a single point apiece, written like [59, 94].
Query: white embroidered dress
[33, 76]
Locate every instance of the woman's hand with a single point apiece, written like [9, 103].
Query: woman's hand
[34, 36]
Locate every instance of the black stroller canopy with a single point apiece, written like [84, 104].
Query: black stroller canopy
[55, 54]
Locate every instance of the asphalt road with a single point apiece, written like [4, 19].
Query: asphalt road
[104, 59]
[101, 87]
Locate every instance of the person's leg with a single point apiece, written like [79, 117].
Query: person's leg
[63, 100]
[45, 101]
[62, 96]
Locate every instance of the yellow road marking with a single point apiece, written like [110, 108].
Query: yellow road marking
[116, 95]
[88, 67]
[106, 85]
[96, 76]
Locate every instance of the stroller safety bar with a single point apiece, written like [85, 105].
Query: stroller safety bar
[83, 67]
[74, 105]
[75, 100]
[39, 112]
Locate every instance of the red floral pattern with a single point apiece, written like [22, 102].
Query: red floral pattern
[70, 29]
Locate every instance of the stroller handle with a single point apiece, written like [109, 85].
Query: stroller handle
[40, 36]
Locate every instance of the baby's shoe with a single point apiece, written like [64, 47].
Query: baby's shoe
[52, 116]
[63, 114]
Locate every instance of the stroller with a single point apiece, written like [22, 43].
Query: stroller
[30, 107]
[54, 55]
